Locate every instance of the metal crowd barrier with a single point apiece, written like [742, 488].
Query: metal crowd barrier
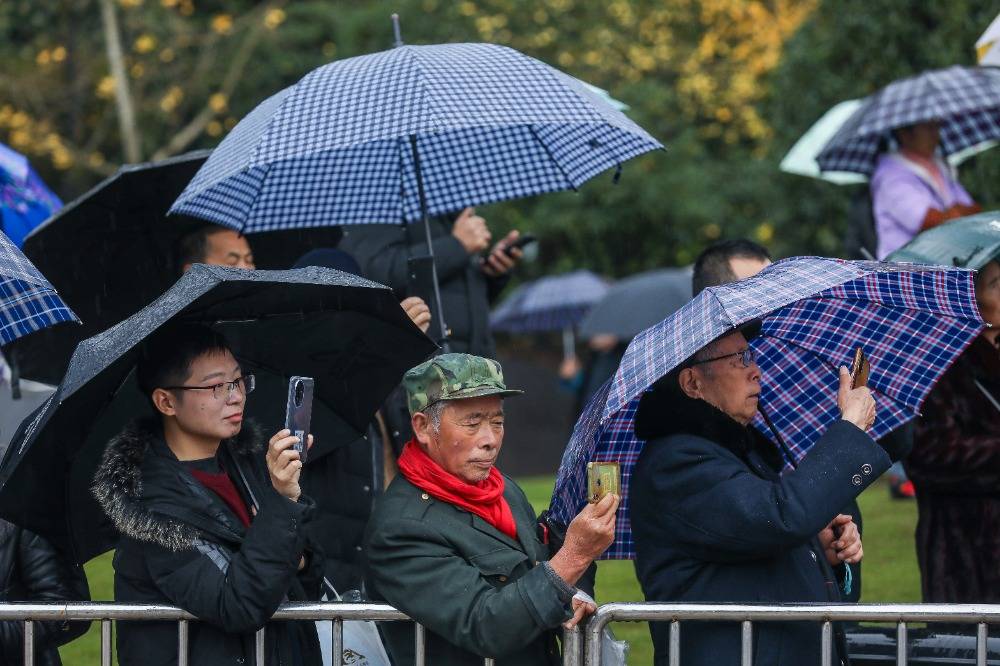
[338, 613]
[747, 614]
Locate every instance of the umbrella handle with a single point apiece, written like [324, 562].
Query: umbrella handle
[777, 436]
[438, 311]
[569, 342]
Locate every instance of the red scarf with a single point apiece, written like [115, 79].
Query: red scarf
[485, 499]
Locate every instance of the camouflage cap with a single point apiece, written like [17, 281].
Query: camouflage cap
[453, 377]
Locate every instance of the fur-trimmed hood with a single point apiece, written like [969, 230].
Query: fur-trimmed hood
[119, 482]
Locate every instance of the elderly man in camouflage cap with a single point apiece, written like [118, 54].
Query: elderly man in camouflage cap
[454, 544]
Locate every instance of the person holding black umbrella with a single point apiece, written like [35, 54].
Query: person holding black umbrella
[469, 283]
[211, 514]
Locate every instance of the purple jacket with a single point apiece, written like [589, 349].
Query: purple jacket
[902, 193]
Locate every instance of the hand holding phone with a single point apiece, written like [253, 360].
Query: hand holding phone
[520, 243]
[298, 412]
[603, 478]
[860, 369]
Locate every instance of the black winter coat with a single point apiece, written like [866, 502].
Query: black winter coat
[32, 570]
[713, 521]
[182, 545]
[382, 251]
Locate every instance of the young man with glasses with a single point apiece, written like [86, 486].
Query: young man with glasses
[211, 514]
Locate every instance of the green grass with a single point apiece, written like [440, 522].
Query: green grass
[890, 570]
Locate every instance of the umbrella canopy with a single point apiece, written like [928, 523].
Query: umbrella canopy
[801, 159]
[964, 100]
[346, 332]
[28, 302]
[111, 252]
[549, 303]
[968, 242]
[912, 321]
[25, 201]
[475, 123]
[637, 302]
[988, 45]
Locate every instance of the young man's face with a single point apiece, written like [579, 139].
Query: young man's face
[204, 412]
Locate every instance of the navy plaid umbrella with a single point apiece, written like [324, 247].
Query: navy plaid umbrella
[28, 303]
[964, 100]
[549, 303]
[344, 145]
[911, 320]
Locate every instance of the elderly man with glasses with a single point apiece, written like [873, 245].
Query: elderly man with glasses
[211, 515]
[715, 519]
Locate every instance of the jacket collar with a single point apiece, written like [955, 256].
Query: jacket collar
[138, 476]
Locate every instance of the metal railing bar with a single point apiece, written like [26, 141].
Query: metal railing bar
[29, 643]
[489, 661]
[746, 647]
[337, 637]
[981, 644]
[901, 644]
[674, 649]
[183, 640]
[105, 642]
[419, 644]
[260, 648]
[826, 644]
[571, 644]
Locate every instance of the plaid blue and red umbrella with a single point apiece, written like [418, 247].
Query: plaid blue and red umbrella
[28, 303]
[912, 321]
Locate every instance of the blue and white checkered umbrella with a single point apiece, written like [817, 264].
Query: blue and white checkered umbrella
[550, 303]
[964, 100]
[342, 146]
[28, 303]
[911, 320]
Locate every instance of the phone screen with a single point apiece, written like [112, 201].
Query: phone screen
[298, 412]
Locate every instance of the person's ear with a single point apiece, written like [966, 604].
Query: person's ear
[690, 383]
[165, 402]
[421, 428]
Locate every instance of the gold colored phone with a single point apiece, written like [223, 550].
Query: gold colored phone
[603, 478]
[859, 369]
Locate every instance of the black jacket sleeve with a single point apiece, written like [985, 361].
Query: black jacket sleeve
[727, 513]
[382, 251]
[238, 593]
[47, 577]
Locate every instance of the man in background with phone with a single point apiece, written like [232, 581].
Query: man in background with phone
[210, 512]
[469, 280]
[455, 544]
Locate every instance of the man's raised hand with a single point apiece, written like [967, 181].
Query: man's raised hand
[284, 465]
[856, 404]
[587, 537]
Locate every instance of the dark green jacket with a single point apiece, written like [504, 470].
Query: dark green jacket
[478, 592]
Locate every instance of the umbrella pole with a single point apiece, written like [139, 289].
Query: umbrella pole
[569, 343]
[777, 435]
[436, 305]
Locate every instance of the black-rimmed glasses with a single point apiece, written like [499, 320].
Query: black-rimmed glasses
[747, 357]
[244, 385]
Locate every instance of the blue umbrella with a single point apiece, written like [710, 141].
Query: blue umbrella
[549, 303]
[964, 100]
[25, 201]
[911, 320]
[407, 133]
[28, 303]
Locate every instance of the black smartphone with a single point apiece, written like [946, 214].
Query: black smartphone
[522, 241]
[421, 279]
[298, 413]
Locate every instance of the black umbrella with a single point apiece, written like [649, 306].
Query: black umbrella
[635, 303]
[110, 252]
[346, 332]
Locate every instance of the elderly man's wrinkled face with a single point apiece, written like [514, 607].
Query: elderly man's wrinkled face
[725, 382]
[468, 440]
[988, 296]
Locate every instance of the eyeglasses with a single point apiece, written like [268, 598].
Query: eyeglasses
[747, 357]
[244, 385]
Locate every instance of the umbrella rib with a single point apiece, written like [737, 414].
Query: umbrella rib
[552, 158]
